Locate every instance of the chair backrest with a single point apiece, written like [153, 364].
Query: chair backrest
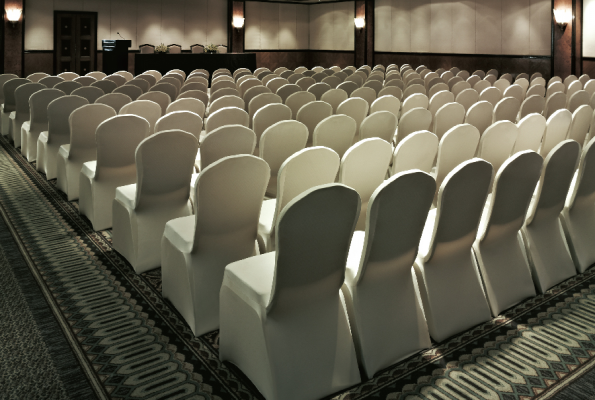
[287, 90]
[440, 99]
[260, 101]
[68, 86]
[223, 92]
[105, 85]
[3, 79]
[555, 102]
[125, 74]
[132, 91]
[497, 143]
[556, 130]
[481, 86]
[149, 78]
[418, 119]
[85, 80]
[183, 120]
[513, 187]
[581, 193]
[222, 84]
[189, 104]
[332, 81]
[448, 116]
[556, 176]
[365, 93]
[467, 98]
[36, 76]
[97, 75]
[83, 123]
[590, 87]
[221, 49]
[174, 49]
[22, 95]
[579, 98]
[117, 139]
[531, 130]
[146, 49]
[491, 94]
[381, 124]
[313, 237]
[348, 87]
[114, 100]
[395, 219]
[480, 115]
[154, 73]
[8, 90]
[416, 100]
[334, 97]
[247, 84]
[58, 113]
[532, 104]
[572, 88]
[386, 103]
[197, 48]
[164, 166]
[536, 90]
[280, 141]
[581, 122]
[146, 109]
[226, 141]
[523, 83]
[222, 102]
[507, 109]
[416, 151]
[166, 88]
[68, 76]
[318, 89]
[412, 89]
[335, 132]
[305, 82]
[554, 87]
[157, 97]
[267, 116]
[461, 198]
[117, 79]
[38, 106]
[227, 116]
[311, 114]
[276, 83]
[229, 197]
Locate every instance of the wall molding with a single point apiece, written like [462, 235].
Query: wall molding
[462, 55]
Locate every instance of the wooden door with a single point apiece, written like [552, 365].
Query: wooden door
[75, 42]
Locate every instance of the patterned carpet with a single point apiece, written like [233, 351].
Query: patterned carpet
[102, 331]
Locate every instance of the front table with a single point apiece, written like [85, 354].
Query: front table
[188, 62]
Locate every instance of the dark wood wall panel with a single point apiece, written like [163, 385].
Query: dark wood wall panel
[360, 34]
[13, 40]
[39, 62]
[306, 58]
[237, 35]
[589, 67]
[513, 65]
[562, 44]
[370, 4]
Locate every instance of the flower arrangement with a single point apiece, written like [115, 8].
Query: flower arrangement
[161, 48]
[212, 48]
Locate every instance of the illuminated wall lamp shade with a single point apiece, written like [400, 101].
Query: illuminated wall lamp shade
[13, 15]
[359, 23]
[563, 18]
[238, 22]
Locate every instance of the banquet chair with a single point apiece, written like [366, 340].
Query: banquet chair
[416, 100]
[156, 74]
[438, 88]
[557, 101]
[448, 116]
[186, 121]
[473, 80]
[438, 100]
[277, 71]
[97, 75]
[463, 74]
[569, 80]
[381, 124]
[117, 79]
[491, 94]
[348, 87]
[507, 109]
[497, 143]
[266, 116]
[196, 86]
[581, 122]
[481, 86]
[386, 103]
[334, 97]
[158, 97]
[395, 83]
[548, 253]
[537, 81]
[146, 109]
[590, 87]
[197, 48]
[574, 87]
[491, 78]
[57, 134]
[225, 101]
[523, 83]
[146, 49]
[536, 90]
[531, 105]
[450, 288]
[38, 121]
[106, 86]
[68, 76]
[416, 151]
[132, 91]
[36, 76]
[318, 89]
[584, 78]
[556, 131]
[416, 88]
[222, 142]
[247, 84]
[279, 142]
[68, 86]
[286, 74]
[166, 88]
[189, 104]
[480, 115]
[266, 78]
[149, 78]
[125, 74]
[276, 83]
[577, 214]
[467, 98]
[221, 49]
[227, 116]
[363, 168]
[222, 84]
[332, 81]
[222, 92]
[374, 84]
[297, 100]
[22, 112]
[196, 249]
[418, 119]
[114, 100]
[303, 170]
[531, 130]
[117, 139]
[314, 232]
[479, 73]
[174, 49]
[515, 91]
[336, 132]
[260, 101]
[164, 166]
[498, 249]
[554, 87]
[311, 114]
[577, 100]
[305, 82]
[81, 148]
[4, 115]
[379, 288]
[458, 87]
[254, 92]
[194, 94]
[85, 80]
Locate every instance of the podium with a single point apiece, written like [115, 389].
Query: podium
[115, 55]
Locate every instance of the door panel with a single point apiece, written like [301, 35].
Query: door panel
[75, 42]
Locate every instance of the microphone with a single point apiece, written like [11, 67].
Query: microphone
[120, 35]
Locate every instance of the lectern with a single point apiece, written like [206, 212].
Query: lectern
[115, 55]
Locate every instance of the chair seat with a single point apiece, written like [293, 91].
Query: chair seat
[43, 137]
[253, 277]
[64, 150]
[267, 214]
[180, 232]
[89, 169]
[127, 195]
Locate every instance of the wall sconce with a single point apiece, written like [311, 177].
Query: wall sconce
[238, 23]
[359, 23]
[13, 15]
[563, 18]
